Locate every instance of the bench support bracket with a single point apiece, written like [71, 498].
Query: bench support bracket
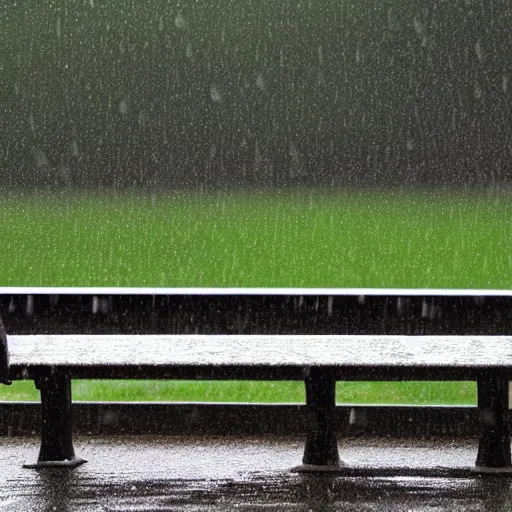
[56, 422]
[494, 446]
[321, 450]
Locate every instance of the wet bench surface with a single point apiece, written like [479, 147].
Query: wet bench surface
[53, 360]
[278, 357]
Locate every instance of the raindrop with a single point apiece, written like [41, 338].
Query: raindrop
[123, 106]
[161, 24]
[143, 118]
[188, 50]
[74, 149]
[410, 144]
[91, 3]
[40, 158]
[260, 82]
[504, 83]
[29, 306]
[358, 53]
[330, 305]
[95, 304]
[215, 94]
[320, 55]
[450, 63]
[31, 122]
[213, 151]
[478, 91]
[478, 50]
[180, 21]
[257, 154]
[58, 27]
[419, 27]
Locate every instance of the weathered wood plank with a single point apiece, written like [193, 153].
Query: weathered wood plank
[265, 351]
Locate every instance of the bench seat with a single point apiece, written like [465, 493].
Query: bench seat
[278, 357]
[52, 361]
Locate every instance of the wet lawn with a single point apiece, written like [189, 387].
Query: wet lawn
[419, 393]
[255, 239]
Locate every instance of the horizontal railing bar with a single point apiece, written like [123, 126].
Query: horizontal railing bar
[203, 418]
[413, 292]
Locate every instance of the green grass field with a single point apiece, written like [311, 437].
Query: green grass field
[256, 239]
[288, 239]
[419, 393]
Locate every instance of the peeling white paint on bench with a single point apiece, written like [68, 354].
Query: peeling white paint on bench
[254, 350]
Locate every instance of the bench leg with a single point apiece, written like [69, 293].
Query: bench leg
[321, 450]
[494, 446]
[56, 429]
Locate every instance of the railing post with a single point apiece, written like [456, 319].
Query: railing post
[494, 445]
[321, 450]
[4, 355]
[56, 422]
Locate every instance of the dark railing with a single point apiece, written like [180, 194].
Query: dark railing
[253, 311]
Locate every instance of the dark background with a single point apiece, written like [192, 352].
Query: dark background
[255, 93]
[44, 313]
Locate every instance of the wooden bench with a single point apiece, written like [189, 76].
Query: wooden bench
[53, 361]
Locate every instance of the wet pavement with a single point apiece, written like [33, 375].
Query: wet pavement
[149, 474]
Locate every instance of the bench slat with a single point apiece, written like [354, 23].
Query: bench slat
[297, 351]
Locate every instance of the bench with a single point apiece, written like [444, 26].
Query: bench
[52, 361]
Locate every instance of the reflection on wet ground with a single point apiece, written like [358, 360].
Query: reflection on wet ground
[139, 474]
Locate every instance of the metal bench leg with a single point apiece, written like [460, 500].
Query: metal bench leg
[494, 446]
[321, 450]
[56, 430]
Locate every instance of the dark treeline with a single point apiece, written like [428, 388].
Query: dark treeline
[162, 94]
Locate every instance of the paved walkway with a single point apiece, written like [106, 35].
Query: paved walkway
[150, 474]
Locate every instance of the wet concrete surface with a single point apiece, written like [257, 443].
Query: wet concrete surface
[150, 474]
